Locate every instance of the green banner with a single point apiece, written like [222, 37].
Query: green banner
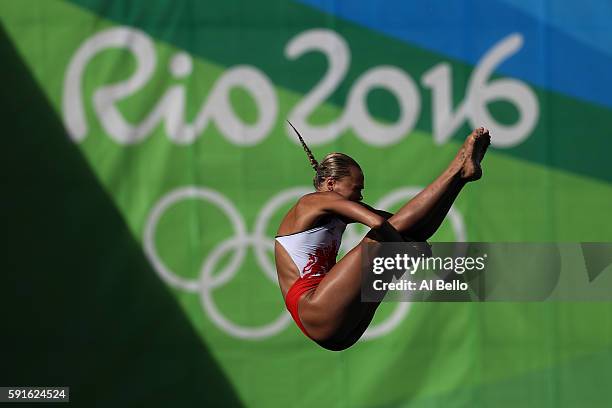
[149, 163]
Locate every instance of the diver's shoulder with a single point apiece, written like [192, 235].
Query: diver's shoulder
[319, 197]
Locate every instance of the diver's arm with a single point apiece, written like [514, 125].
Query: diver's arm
[335, 203]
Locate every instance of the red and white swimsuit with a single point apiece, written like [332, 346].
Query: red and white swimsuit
[314, 253]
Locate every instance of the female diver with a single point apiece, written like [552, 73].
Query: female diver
[323, 296]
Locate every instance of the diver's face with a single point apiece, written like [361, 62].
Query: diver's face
[350, 186]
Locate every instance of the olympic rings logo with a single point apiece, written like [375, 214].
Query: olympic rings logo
[210, 278]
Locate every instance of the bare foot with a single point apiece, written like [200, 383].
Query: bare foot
[474, 149]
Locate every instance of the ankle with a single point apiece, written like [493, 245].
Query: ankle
[455, 168]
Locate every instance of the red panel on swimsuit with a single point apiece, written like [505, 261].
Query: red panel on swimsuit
[301, 286]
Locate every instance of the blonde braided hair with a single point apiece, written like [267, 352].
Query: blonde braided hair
[335, 165]
[313, 162]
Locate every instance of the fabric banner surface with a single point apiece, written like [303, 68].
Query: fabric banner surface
[149, 163]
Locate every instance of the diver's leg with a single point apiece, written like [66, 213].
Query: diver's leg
[424, 228]
[332, 306]
[421, 216]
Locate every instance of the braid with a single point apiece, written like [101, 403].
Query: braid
[313, 161]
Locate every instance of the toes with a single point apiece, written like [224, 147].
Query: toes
[488, 138]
